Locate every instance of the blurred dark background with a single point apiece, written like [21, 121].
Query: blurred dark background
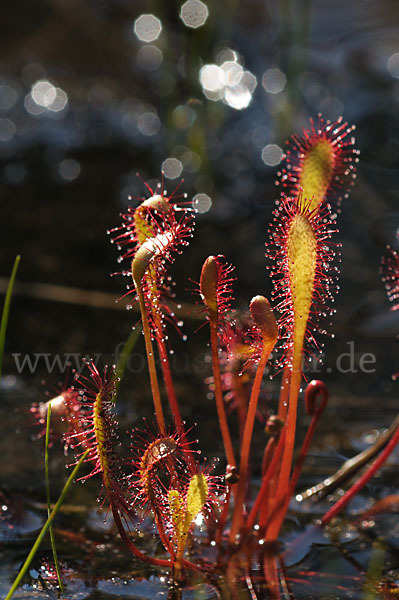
[92, 91]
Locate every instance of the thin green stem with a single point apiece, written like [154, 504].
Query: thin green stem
[6, 310]
[45, 527]
[47, 479]
[156, 396]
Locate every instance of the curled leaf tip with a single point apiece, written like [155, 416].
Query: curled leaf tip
[314, 389]
[156, 202]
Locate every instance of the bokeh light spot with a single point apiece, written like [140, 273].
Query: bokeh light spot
[172, 168]
[148, 123]
[274, 81]
[191, 161]
[202, 203]
[31, 106]
[8, 97]
[183, 116]
[147, 28]
[232, 72]
[214, 95]
[393, 65]
[272, 155]
[43, 93]
[7, 130]
[69, 169]
[212, 78]
[60, 101]
[194, 13]
[249, 80]
[149, 57]
[228, 82]
[238, 97]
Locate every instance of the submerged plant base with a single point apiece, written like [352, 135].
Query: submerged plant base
[322, 563]
[333, 561]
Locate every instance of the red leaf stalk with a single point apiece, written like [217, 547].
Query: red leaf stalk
[304, 282]
[362, 481]
[274, 427]
[265, 322]
[215, 289]
[148, 271]
[155, 218]
[313, 390]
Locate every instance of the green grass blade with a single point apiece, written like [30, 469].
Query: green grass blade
[6, 310]
[45, 527]
[126, 352]
[56, 563]
[374, 571]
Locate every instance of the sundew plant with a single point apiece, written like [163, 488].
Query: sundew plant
[210, 517]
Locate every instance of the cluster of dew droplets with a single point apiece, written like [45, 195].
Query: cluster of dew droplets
[324, 286]
[346, 156]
